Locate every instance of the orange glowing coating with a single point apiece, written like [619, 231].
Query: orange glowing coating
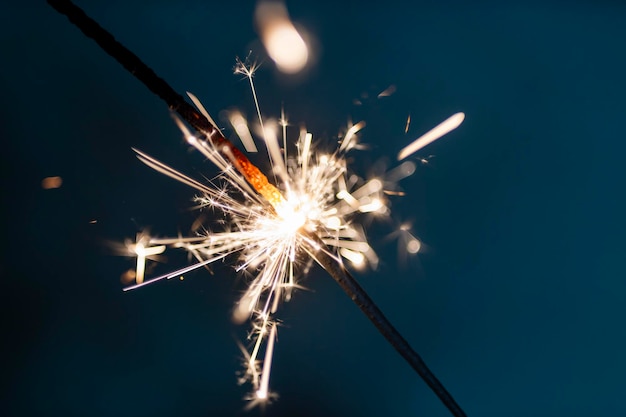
[255, 177]
[247, 169]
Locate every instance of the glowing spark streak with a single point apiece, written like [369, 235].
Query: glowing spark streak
[284, 123]
[174, 274]
[241, 127]
[200, 107]
[249, 73]
[349, 244]
[347, 140]
[432, 135]
[356, 258]
[275, 155]
[143, 252]
[267, 364]
[408, 123]
[372, 206]
[369, 188]
[177, 240]
[170, 172]
[305, 153]
[405, 169]
[387, 92]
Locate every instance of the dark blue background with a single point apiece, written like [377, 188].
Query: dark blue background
[517, 304]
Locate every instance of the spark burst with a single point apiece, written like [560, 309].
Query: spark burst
[277, 232]
[318, 200]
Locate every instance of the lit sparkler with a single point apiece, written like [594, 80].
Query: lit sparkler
[270, 228]
[276, 231]
[313, 209]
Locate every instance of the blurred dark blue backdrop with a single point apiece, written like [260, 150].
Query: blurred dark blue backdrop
[517, 304]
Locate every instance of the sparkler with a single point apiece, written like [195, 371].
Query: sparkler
[277, 231]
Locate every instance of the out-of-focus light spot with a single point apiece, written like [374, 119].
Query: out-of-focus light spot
[280, 37]
[128, 277]
[388, 91]
[49, 183]
[357, 258]
[372, 205]
[240, 125]
[413, 246]
[241, 313]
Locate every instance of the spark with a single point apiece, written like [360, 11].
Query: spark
[142, 250]
[410, 242]
[240, 125]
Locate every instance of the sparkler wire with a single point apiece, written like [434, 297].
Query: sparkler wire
[360, 297]
[335, 269]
